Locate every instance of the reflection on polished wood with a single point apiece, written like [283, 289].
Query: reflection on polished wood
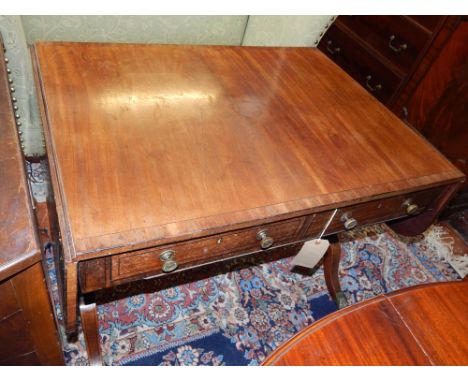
[424, 325]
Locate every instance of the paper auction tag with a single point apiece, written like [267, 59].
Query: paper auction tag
[311, 253]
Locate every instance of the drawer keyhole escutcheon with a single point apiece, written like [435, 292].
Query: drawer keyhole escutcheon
[265, 240]
[169, 264]
[349, 222]
[410, 207]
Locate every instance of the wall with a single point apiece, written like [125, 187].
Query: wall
[285, 30]
[210, 30]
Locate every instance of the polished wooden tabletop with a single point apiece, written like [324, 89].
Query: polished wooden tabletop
[156, 143]
[19, 245]
[423, 325]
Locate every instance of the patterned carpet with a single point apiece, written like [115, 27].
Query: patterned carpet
[240, 316]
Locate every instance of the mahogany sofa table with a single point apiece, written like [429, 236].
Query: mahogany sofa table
[422, 325]
[164, 158]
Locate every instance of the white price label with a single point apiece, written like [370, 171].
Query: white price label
[311, 253]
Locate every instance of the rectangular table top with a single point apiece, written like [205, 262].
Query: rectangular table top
[153, 143]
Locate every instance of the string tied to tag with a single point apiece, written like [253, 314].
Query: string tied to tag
[313, 250]
[327, 224]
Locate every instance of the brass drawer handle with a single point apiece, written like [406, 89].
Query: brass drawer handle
[410, 207]
[349, 222]
[169, 264]
[372, 88]
[265, 240]
[332, 50]
[395, 48]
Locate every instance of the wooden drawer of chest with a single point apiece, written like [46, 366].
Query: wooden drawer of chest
[351, 55]
[398, 38]
[429, 22]
[202, 250]
[15, 337]
[376, 211]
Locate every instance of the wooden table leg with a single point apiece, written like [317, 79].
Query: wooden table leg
[331, 263]
[89, 322]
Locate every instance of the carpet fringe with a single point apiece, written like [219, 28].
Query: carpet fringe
[443, 244]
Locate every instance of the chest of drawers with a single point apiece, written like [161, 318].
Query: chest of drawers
[383, 53]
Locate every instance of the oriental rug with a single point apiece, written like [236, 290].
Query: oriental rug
[238, 316]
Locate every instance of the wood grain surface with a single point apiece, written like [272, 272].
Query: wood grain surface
[36, 307]
[153, 144]
[90, 324]
[423, 325]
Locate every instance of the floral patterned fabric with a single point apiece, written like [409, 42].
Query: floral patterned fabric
[238, 317]
[38, 178]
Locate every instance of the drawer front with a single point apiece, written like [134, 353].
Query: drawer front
[376, 211]
[15, 337]
[359, 63]
[202, 250]
[431, 23]
[397, 38]
[113, 270]
[9, 303]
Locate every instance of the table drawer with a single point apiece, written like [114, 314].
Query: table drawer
[202, 250]
[117, 269]
[352, 56]
[375, 211]
[397, 38]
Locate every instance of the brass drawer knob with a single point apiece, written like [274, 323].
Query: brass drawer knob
[265, 240]
[349, 222]
[372, 88]
[169, 264]
[410, 207]
[332, 50]
[398, 48]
